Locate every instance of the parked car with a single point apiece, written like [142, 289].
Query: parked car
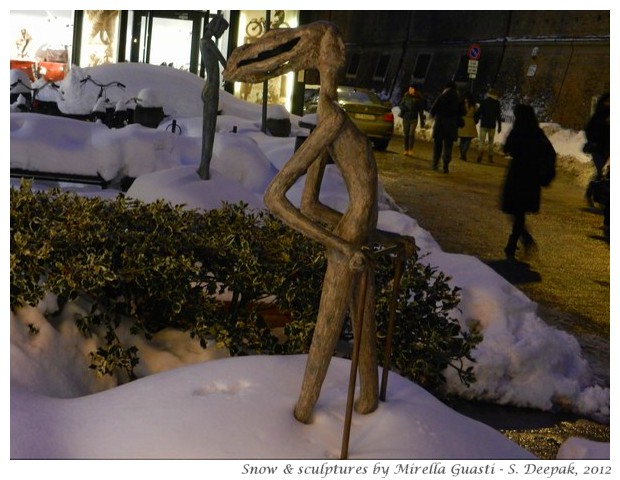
[372, 116]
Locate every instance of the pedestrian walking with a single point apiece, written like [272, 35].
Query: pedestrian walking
[468, 131]
[490, 116]
[447, 111]
[532, 165]
[411, 109]
[597, 144]
[605, 196]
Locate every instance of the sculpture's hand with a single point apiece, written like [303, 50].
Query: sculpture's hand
[408, 244]
[357, 262]
[391, 240]
[360, 259]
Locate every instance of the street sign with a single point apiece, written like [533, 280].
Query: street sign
[474, 51]
[531, 70]
[472, 68]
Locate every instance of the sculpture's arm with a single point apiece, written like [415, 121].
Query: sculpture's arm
[314, 209]
[209, 48]
[310, 204]
[275, 195]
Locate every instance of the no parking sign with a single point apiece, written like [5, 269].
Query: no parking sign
[474, 51]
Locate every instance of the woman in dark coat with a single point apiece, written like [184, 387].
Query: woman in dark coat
[598, 141]
[447, 110]
[410, 110]
[521, 194]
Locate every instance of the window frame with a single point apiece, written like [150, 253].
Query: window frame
[353, 61]
[428, 58]
[378, 75]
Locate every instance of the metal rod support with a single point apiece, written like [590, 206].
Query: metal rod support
[398, 271]
[357, 335]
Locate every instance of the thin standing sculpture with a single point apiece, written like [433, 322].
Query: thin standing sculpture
[211, 58]
[347, 235]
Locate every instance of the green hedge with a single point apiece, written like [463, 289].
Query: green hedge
[161, 266]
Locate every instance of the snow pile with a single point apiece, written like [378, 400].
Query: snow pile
[237, 407]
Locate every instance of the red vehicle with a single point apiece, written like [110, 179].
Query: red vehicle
[51, 71]
[27, 66]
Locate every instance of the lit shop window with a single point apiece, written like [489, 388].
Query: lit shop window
[252, 26]
[99, 37]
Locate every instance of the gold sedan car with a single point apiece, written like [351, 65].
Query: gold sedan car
[371, 115]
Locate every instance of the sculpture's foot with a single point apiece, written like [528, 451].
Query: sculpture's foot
[364, 406]
[302, 414]
[203, 172]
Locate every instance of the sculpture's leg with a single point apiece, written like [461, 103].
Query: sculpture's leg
[209, 118]
[368, 401]
[335, 300]
[368, 372]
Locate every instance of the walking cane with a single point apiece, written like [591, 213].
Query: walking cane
[357, 334]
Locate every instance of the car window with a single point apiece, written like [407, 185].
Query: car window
[346, 95]
[311, 95]
[357, 96]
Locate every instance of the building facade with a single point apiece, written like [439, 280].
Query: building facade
[558, 61]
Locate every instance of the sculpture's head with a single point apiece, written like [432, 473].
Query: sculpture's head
[317, 45]
[217, 26]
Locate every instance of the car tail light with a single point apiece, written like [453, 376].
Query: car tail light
[388, 117]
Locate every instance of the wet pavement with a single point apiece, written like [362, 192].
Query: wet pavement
[568, 275]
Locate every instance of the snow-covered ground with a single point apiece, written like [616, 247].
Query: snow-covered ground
[195, 403]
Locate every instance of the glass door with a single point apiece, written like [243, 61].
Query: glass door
[167, 38]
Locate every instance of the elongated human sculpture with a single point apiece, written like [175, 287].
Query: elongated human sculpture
[211, 58]
[346, 235]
